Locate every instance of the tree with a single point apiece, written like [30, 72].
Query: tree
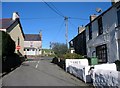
[59, 48]
[8, 45]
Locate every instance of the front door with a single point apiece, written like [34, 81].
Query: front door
[119, 47]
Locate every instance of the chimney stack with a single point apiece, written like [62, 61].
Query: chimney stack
[92, 17]
[40, 33]
[81, 29]
[114, 1]
[15, 16]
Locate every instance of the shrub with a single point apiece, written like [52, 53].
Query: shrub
[72, 56]
[117, 62]
[8, 45]
[59, 48]
[10, 61]
[62, 63]
[55, 60]
[52, 55]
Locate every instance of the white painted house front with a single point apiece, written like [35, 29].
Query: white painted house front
[33, 44]
[103, 35]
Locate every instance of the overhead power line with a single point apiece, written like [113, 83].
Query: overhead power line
[73, 25]
[77, 18]
[40, 18]
[59, 30]
[53, 8]
[56, 11]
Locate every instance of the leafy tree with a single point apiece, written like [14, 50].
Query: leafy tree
[8, 45]
[59, 48]
[9, 59]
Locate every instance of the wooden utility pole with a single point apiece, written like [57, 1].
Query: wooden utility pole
[66, 34]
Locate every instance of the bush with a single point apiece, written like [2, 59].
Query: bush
[8, 45]
[52, 55]
[72, 56]
[68, 56]
[55, 60]
[59, 48]
[62, 63]
[117, 62]
[10, 61]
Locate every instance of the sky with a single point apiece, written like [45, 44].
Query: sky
[38, 16]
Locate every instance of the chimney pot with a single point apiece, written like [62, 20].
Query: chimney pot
[81, 29]
[114, 1]
[92, 17]
[15, 16]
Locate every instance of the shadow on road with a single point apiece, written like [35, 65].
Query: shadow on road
[5, 73]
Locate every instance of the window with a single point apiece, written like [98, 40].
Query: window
[71, 43]
[33, 49]
[31, 45]
[118, 15]
[90, 31]
[27, 49]
[100, 26]
[101, 52]
[18, 41]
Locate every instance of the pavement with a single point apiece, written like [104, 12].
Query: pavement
[40, 72]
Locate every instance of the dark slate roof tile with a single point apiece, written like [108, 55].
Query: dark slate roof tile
[32, 37]
[6, 22]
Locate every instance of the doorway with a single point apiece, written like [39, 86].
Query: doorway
[119, 48]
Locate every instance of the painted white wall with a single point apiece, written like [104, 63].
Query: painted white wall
[108, 37]
[107, 66]
[72, 51]
[3, 30]
[76, 62]
[103, 78]
[79, 68]
[30, 53]
[83, 71]
[36, 44]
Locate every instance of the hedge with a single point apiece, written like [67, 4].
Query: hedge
[72, 56]
[8, 45]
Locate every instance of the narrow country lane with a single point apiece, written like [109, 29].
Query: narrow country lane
[40, 72]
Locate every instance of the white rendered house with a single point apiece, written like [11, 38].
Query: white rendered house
[103, 35]
[33, 44]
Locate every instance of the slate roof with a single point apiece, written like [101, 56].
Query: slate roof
[6, 22]
[32, 37]
[116, 4]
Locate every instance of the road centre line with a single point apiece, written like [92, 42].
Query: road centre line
[37, 64]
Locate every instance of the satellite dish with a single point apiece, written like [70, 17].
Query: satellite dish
[98, 10]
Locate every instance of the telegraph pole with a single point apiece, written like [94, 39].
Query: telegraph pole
[66, 34]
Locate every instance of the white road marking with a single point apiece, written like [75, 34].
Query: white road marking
[37, 64]
[31, 61]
